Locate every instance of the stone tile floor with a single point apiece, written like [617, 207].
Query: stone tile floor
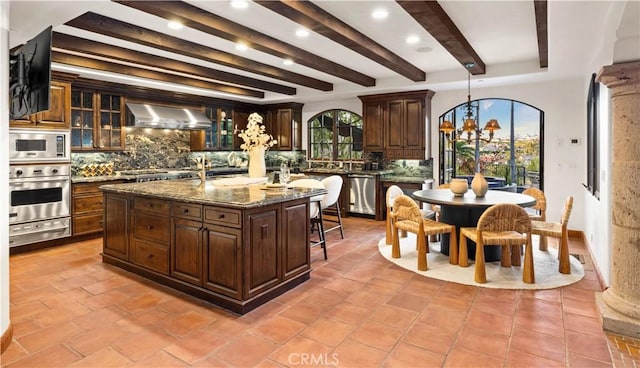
[358, 310]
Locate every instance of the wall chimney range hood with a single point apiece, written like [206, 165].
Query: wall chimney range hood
[162, 117]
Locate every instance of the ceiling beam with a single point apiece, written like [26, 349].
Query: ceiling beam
[114, 28]
[196, 18]
[540, 7]
[86, 62]
[431, 16]
[77, 44]
[322, 22]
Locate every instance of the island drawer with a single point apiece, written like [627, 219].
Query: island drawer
[222, 216]
[187, 211]
[151, 227]
[153, 205]
[150, 256]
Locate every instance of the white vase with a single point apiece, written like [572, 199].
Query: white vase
[479, 185]
[459, 187]
[257, 166]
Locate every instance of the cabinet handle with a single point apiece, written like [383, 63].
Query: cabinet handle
[185, 210]
[221, 216]
[150, 256]
[149, 227]
[149, 205]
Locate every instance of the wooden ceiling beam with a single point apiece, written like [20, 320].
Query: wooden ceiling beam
[540, 7]
[77, 44]
[114, 28]
[86, 62]
[431, 16]
[322, 22]
[196, 18]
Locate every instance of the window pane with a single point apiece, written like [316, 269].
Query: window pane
[335, 135]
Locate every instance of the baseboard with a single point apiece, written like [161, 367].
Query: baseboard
[6, 338]
[583, 237]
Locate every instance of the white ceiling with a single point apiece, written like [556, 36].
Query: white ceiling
[503, 33]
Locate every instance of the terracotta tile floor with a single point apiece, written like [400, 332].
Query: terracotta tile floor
[358, 310]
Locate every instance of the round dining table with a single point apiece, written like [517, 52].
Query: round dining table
[464, 211]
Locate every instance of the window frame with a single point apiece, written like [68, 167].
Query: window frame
[593, 144]
[335, 137]
[452, 116]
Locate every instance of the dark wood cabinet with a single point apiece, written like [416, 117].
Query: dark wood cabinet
[57, 117]
[87, 207]
[397, 124]
[373, 129]
[262, 251]
[295, 259]
[238, 258]
[116, 226]
[223, 260]
[150, 234]
[220, 135]
[284, 123]
[97, 121]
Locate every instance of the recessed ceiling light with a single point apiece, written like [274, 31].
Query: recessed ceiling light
[424, 49]
[241, 46]
[175, 25]
[413, 39]
[287, 62]
[239, 4]
[301, 32]
[379, 14]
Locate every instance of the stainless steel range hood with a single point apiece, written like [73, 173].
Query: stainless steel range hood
[162, 117]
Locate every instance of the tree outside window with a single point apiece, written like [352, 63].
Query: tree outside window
[335, 135]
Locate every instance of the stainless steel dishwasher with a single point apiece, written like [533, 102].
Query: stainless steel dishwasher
[362, 194]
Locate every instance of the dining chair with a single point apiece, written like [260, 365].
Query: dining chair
[506, 225]
[391, 194]
[330, 204]
[557, 230]
[315, 213]
[539, 211]
[406, 216]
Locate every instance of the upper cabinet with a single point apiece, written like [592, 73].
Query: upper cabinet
[397, 124]
[284, 123]
[97, 121]
[57, 117]
[220, 134]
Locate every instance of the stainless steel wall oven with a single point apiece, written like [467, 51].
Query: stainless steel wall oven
[39, 198]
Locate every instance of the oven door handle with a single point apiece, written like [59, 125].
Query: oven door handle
[14, 182]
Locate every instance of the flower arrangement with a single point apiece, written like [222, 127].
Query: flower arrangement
[254, 135]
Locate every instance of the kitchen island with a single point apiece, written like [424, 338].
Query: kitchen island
[236, 246]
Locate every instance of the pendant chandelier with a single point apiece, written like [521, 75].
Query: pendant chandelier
[469, 122]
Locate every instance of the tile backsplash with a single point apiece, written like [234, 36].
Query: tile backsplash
[158, 148]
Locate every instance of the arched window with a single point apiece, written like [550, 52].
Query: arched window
[515, 153]
[335, 135]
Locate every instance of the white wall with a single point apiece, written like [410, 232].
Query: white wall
[4, 167]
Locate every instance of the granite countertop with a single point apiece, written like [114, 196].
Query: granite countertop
[339, 171]
[192, 190]
[406, 179]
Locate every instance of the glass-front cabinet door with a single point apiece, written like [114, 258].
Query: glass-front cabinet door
[96, 121]
[219, 136]
[110, 129]
[82, 120]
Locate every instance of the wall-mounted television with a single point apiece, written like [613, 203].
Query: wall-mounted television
[30, 76]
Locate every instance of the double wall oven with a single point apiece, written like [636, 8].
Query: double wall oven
[39, 185]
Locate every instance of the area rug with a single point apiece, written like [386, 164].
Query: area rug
[545, 267]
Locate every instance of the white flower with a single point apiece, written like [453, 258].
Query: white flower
[254, 135]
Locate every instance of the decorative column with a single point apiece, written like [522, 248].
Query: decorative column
[620, 303]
